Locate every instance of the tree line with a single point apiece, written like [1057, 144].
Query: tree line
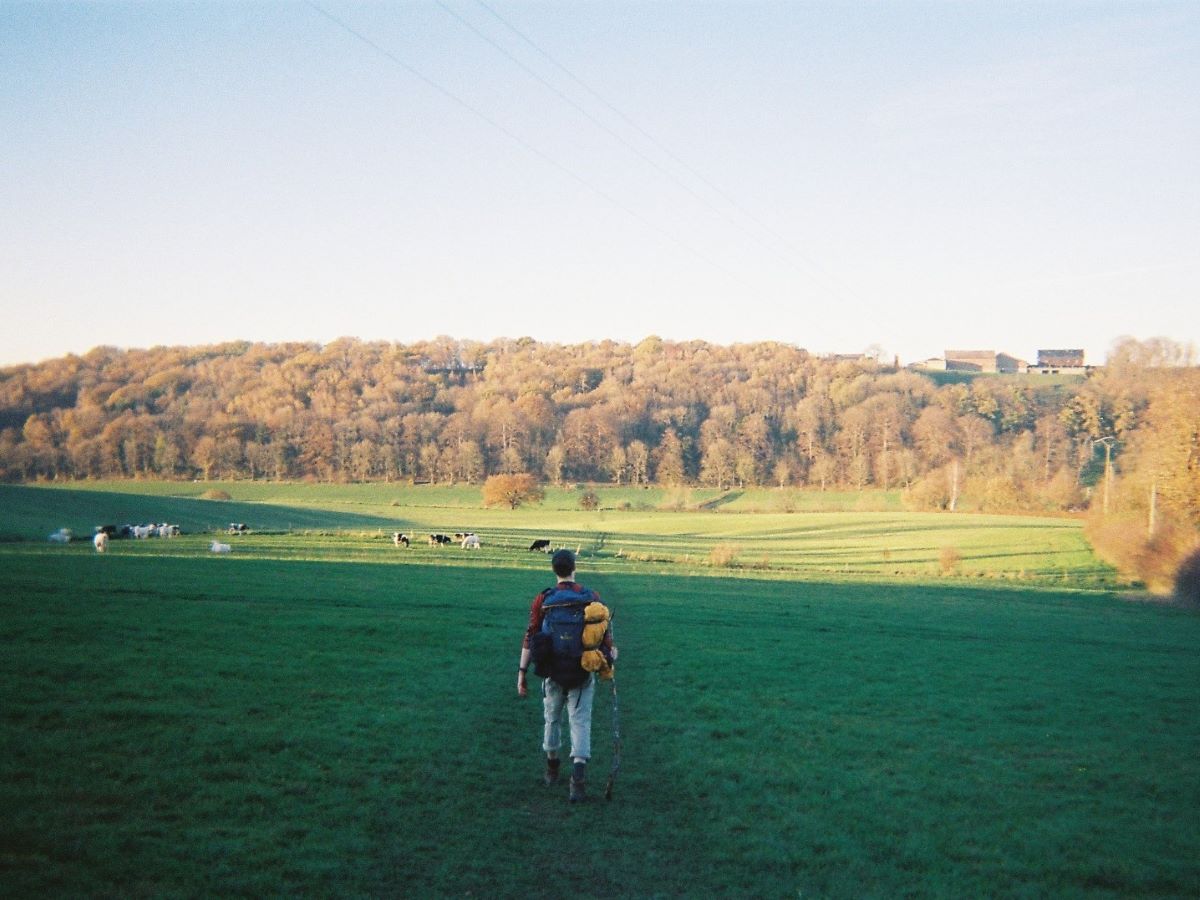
[663, 412]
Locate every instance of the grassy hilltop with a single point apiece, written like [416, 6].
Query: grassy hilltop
[321, 713]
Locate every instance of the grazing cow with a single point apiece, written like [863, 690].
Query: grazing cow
[218, 547]
[125, 532]
[62, 536]
[168, 531]
[100, 541]
[238, 528]
[437, 540]
[543, 546]
[400, 540]
[471, 542]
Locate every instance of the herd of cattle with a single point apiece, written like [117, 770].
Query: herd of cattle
[104, 533]
[468, 540]
[139, 532]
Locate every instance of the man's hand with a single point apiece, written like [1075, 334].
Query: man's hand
[522, 687]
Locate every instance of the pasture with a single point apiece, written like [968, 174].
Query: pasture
[831, 536]
[321, 713]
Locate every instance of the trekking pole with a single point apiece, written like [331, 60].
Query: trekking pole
[616, 760]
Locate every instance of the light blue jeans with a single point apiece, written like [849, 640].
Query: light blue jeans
[578, 702]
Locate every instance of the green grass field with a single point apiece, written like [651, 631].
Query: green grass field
[319, 713]
[878, 542]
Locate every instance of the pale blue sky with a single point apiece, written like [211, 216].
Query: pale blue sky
[917, 176]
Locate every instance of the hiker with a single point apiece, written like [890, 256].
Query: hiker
[569, 640]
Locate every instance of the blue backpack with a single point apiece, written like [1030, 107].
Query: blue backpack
[559, 647]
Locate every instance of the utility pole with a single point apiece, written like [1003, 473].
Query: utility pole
[1107, 441]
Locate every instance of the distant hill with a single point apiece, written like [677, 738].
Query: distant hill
[662, 412]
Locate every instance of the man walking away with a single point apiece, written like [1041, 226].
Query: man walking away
[569, 641]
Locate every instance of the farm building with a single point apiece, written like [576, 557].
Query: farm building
[1050, 362]
[1060, 362]
[1008, 364]
[971, 360]
[933, 364]
[983, 361]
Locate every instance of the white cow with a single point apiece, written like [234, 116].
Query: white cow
[471, 542]
[218, 547]
[62, 536]
[100, 542]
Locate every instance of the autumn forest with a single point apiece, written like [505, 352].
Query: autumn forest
[764, 414]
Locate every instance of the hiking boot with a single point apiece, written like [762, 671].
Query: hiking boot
[578, 789]
[551, 776]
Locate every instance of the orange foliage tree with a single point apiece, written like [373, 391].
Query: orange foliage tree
[512, 489]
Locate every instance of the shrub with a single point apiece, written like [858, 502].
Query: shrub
[589, 500]
[1000, 494]
[677, 500]
[928, 493]
[786, 502]
[1062, 491]
[723, 556]
[1160, 556]
[215, 494]
[1187, 581]
[949, 560]
[1110, 538]
[1156, 561]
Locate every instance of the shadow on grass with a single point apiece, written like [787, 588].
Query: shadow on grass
[723, 500]
[293, 716]
[33, 513]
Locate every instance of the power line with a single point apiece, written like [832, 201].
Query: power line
[528, 147]
[658, 167]
[812, 267]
